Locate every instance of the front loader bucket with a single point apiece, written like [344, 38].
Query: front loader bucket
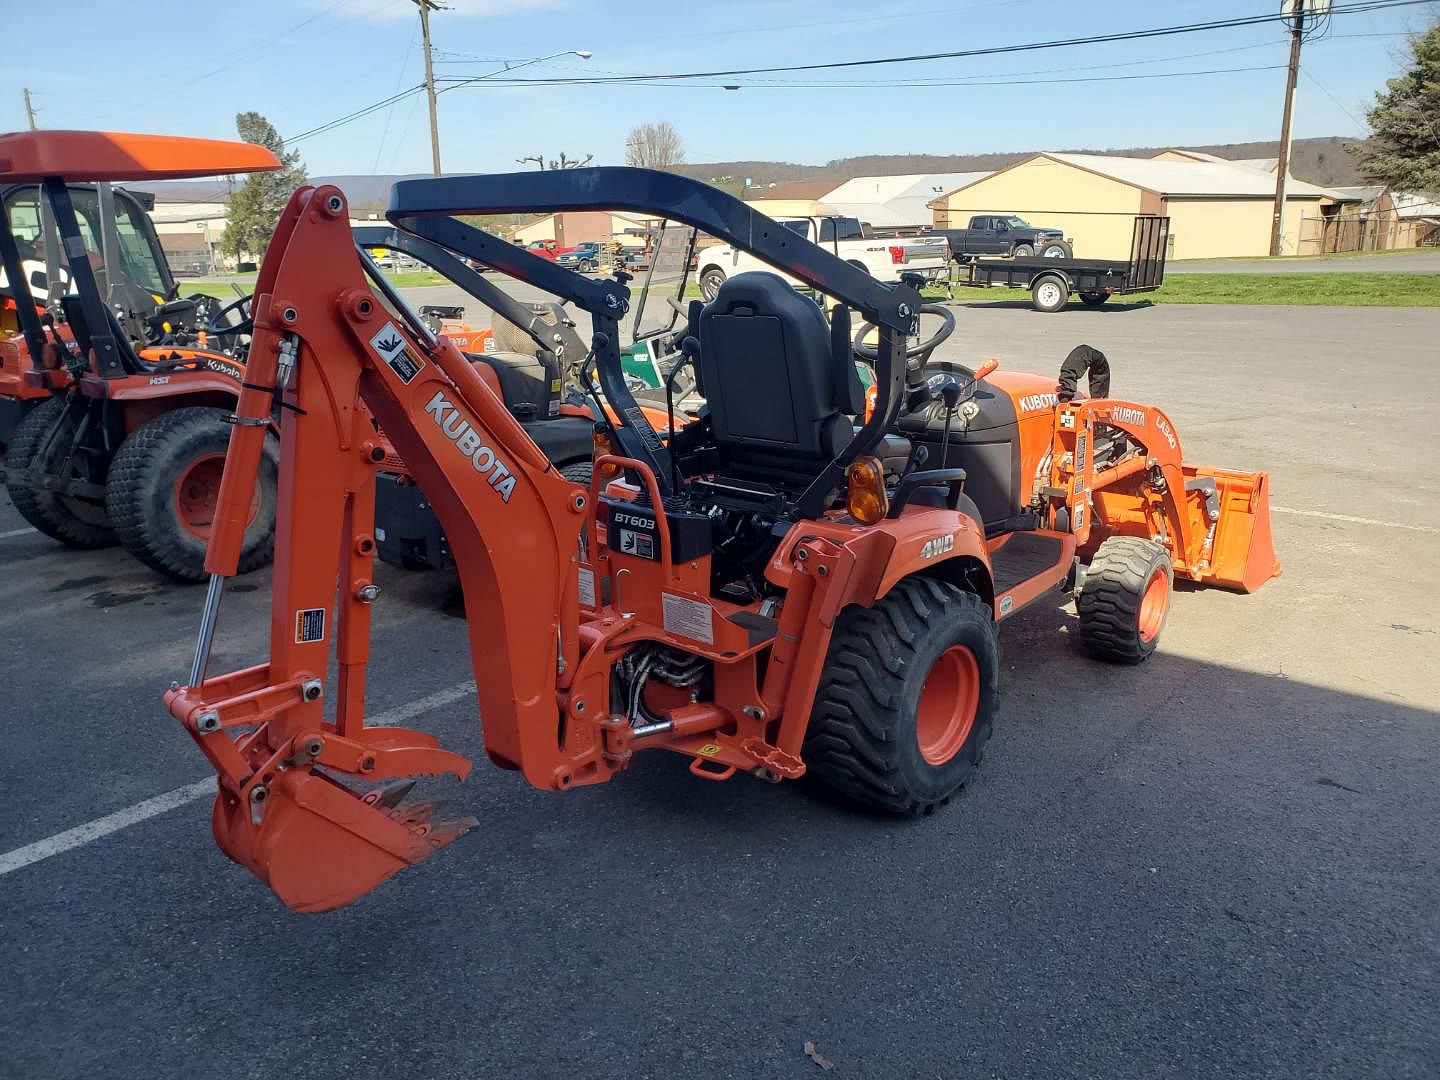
[1242, 553]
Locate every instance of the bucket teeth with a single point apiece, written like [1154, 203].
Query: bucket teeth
[388, 797]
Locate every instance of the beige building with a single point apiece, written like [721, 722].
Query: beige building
[1217, 209]
[585, 227]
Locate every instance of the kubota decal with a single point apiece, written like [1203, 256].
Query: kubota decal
[230, 371]
[1035, 402]
[467, 440]
[1125, 415]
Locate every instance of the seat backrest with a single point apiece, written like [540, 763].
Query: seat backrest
[780, 398]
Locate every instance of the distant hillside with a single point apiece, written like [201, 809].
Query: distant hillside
[1319, 161]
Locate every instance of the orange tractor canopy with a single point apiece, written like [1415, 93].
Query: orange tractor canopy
[777, 589]
[113, 390]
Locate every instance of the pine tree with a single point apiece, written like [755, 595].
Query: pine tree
[1404, 145]
[256, 205]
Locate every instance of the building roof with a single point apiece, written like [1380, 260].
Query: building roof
[1194, 155]
[1365, 193]
[1415, 205]
[1187, 178]
[895, 200]
[790, 189]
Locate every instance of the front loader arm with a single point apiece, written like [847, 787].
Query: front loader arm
[326, 342]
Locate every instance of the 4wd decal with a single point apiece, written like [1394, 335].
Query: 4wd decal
[468, 441]
[390, 345]
[938, 545]
[230, 371]
[1035, 402]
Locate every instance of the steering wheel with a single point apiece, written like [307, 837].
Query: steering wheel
[219, 323]
[924, 348]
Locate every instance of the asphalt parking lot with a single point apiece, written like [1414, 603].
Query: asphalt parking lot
[1224, 863]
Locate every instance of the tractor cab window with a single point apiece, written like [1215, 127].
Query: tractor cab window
[663, 294]
[139, 259]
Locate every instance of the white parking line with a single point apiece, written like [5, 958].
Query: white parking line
[160, 804]
[16, 532]
[1355, 520]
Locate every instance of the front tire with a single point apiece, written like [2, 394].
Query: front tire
[711, 278]
[1125, 599]
[75, 522]
[164, 487]
[1022, 251]
[1049, 294]
[907, 699]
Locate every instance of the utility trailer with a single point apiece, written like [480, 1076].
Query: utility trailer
[1053, 281]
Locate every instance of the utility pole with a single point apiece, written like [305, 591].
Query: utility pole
[427, 6]
[30, 111]
[1282, 161]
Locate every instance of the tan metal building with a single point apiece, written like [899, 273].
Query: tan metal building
[1217, 209]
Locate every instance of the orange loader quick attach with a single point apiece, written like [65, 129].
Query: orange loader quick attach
[717, 598]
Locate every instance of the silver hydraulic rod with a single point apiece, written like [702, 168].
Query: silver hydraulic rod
[206, 637]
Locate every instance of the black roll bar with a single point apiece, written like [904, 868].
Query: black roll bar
[427, 206]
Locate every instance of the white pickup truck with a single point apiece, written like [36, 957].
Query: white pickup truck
[884, 260]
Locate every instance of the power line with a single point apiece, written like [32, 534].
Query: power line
[967, 81]
[995, 50]
[1355, 6]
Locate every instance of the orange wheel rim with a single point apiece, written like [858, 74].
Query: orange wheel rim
[1154, 604]
[949, 701]
[197, 493]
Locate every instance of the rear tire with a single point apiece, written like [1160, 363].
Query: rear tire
[75, 522]
[907, 699]
[1049, 294]
[1125, 599]
[163, 486]
[1022, 251]
[1094, 300]
[578, 472]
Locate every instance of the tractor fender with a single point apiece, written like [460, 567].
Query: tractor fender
[563, 438]
[174, 384]
[945, 544]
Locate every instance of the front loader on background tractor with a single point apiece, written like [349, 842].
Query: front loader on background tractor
[121, 425]
[753, 594]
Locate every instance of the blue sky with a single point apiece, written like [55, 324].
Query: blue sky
[354, 52]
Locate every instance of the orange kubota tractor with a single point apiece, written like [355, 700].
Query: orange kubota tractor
[754, 594]
[114, 420]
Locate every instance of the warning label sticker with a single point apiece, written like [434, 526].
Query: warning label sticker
[688, 618]
[641, 545]
[390, 346]
[587, 586]
[309, 625]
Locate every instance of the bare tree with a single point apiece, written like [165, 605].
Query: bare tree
[654, 146]
[563, 162]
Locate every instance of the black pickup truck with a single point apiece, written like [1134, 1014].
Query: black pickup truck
[1005, 234]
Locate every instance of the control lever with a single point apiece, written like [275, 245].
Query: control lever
[950, 398]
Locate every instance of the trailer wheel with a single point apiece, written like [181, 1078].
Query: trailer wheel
[907, 698]
[1094, 299]
[164, 486]
[1049, 293]
[711, 278]
[75, 522]
[1125, 599]
[1056, 249]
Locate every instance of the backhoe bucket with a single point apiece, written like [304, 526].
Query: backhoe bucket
[320, 846]
[1242, 552]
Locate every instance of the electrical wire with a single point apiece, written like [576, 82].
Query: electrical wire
[1356, 6]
